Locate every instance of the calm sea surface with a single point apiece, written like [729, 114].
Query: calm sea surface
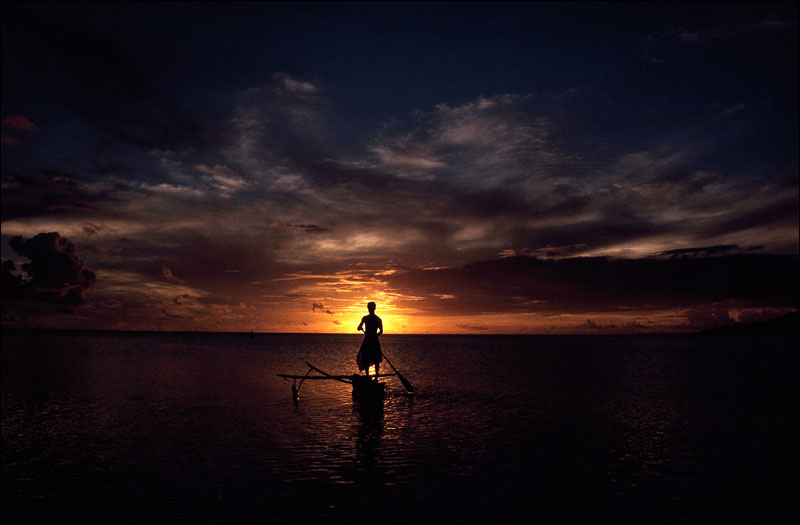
[197, 427]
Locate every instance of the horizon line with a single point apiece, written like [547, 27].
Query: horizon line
[253, 332]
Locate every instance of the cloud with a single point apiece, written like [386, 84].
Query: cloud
[758, 315]
[168, 275]
[255, 169]
[52, 192]
[321, 308]
[279, 124]
[663, 46]
[184, 299]
[722, 33]
[165, 314]
[15, 125]
[14, 287]
[175, 190]
[292, 85]
[473, 327]
[223, 179]
[698, 252]
[709, 316]
[512, 174]
[484, 143]
[509, 173]
[54, 274]
[517, 188]
[599, 284]
[313, 228]
[20, 123]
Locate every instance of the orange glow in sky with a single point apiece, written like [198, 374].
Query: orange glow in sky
[621, 186]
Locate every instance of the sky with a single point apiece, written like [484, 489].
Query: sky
[520, 168]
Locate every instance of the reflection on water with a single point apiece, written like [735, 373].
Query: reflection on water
[370, 428]
[197, 427]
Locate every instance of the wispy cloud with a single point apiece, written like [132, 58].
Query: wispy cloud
[17, 126]
[277, 125]
[19, 123]
[495, 177]
[223, 179]
[665, 45]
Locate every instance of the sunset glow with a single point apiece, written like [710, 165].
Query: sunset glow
[498, 176]
[430, 262]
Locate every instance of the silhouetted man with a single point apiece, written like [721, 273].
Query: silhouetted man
[370, 351]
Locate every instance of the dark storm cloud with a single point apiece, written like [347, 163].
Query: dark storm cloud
[55, 272]
[592, 284]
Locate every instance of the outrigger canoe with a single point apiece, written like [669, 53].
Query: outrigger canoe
[364, 388]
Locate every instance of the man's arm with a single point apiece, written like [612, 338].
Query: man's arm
[380, 326]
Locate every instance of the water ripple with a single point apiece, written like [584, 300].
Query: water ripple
[199, 428]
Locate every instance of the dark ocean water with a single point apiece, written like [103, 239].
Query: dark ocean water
[197, 427]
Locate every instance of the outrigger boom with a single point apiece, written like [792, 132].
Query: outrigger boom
[346, 379]
[364, 387]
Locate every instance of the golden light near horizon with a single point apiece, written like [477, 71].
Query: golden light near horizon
[286, 208]
[336, 302]
[339, 300]
[393, 320]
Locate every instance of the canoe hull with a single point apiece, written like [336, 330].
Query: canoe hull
[367, 390]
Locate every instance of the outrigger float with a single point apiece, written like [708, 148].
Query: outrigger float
[365, 388]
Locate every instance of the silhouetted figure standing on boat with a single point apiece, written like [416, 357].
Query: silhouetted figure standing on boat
[370, 352]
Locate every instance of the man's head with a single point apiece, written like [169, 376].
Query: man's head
[371, 307]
